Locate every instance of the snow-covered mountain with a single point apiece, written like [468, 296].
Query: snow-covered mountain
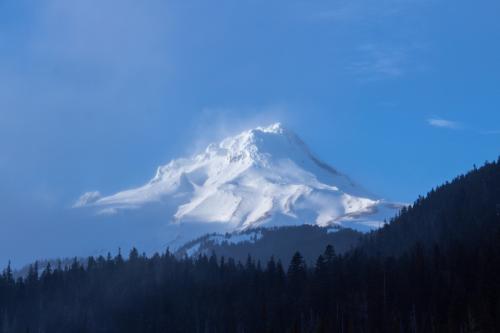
[262, 177]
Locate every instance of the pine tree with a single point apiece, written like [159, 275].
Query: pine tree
[297, 269]
[133, 255]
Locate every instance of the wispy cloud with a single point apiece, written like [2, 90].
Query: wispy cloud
[377, 61]
[439, 122]
[443, 123]
[374, 57]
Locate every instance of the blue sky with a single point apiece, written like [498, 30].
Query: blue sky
[399, 94]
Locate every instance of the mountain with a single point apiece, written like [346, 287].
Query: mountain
[280, 243]
[463, 211]
[262, 177]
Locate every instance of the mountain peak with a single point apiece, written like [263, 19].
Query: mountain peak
[276, 128]
[273, 140]
[253, 136]
[261, 177]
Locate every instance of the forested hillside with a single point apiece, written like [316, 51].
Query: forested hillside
[434, 269]
[465, 210]
[281, 243]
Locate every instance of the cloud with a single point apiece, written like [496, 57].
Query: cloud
[389, 53]
[377, 61]
[454, 125]
[443, 123]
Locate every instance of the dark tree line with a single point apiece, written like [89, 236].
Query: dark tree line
[435, 268]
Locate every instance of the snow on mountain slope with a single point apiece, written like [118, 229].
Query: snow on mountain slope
[262, 177]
